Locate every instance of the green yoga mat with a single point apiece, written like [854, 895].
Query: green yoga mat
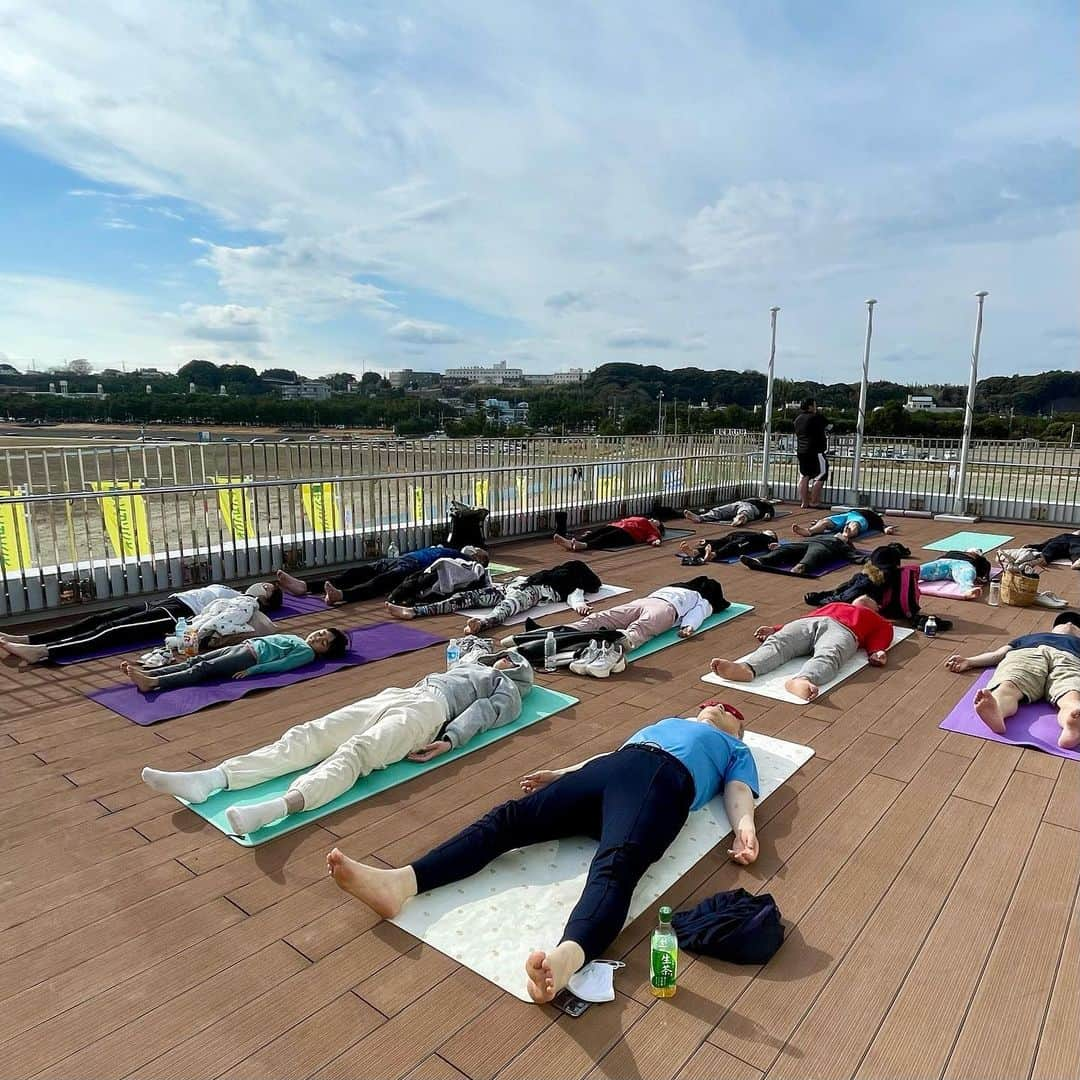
[671, 637]
[961, 541]
[497, 569]
[539, 705]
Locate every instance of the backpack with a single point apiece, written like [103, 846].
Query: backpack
[902, 600]
[467, 526]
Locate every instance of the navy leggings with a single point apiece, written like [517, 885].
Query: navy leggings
[633, 801]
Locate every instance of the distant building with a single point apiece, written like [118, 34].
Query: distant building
[497, 375]
[925, 403]
[556, 378]
[306, 390]
[408, 377]
[151, 373]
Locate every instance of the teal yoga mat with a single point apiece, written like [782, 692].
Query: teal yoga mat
[961, 541]
[671, 637]
[539, 705]
[496, 569]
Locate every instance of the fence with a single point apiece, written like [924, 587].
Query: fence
[97, 523]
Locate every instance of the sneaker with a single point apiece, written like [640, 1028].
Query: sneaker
[580, 664]
[609, 660]
[1049, 600]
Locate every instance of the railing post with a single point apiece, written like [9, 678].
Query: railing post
[767, 445]
[959, 503]
[856, 465]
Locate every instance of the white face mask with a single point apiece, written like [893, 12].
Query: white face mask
[595, 982]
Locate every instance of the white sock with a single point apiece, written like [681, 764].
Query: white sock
[246, 819]
[195, 787]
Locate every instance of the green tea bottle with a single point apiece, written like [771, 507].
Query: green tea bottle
[664, 966]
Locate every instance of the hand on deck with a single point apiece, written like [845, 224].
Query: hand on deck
[958, 664]
[431, 750]
[744, 848]
[539, 779]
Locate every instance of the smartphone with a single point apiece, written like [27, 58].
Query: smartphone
[569, 1003]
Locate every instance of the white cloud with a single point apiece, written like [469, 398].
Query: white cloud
[636, 337]
[424, 333]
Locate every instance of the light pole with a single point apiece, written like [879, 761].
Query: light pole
[969, 408]
[767, 446]
[660, 414]
[856, 465]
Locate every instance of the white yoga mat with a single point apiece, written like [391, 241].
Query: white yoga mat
[549, 608]
[772, 685]
[493, 920]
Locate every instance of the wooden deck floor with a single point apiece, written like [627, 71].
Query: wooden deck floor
[930, 881]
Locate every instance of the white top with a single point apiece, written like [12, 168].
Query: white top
[692, 607]
[197, 599]
[228, 616]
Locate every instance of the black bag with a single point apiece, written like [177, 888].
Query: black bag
[736, 926]
[467, 526]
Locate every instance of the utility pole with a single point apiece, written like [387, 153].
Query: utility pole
[856, 467]
[767, 445]
[969, 407]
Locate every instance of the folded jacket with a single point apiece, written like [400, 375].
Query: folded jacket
[736, 926]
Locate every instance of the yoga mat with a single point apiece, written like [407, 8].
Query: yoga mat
[947, 589]
[757, 521]
[490, 922]
[840, 564]
[961, 541]
[539, 704]
[496, 569]
[291, 607]
[671, 637]
[1033, 725]
[669, 534]
[366, 644]
[772, 685]
[550, 608]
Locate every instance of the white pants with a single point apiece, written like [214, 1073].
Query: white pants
[344, 745]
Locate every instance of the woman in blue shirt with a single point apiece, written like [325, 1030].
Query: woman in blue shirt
[633, 801]
[849, 524]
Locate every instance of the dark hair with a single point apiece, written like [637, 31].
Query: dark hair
[660, 526]
[709, 589]
[807, 404]
[273, 601]
[339, 644]
[1067, 617]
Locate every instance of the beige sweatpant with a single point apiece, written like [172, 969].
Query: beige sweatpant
[344, 745]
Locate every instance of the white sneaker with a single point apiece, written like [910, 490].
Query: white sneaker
[610, 660]
[1049, 600]
[581, 664]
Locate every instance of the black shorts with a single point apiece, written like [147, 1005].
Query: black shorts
[812, 465]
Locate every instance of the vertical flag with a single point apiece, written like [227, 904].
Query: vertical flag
[235, 507]
[15, 551]
[320, 505]
[417, 504]
[480, 491]
[609, 486]
[125, 518]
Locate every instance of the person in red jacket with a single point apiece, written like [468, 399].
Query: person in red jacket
[830, 636]
[622, 533]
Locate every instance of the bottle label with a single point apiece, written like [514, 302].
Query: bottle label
[665, 966]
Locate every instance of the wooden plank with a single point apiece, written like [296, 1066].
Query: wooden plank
[406, 978]
[1064, 808]
[999, 1038]
[502, 1031]
[838, 1028]
[988, 773]
[435, 1067]
[768, 1011]
[917, 1035]
[1059, 1047]
[709, 1062]
[660, 1043]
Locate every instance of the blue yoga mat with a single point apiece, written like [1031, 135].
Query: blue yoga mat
[961, 541]
[538, 705]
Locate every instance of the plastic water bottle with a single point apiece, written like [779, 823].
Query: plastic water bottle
[930, 627]
[392, 552]
[180, 636]
[664, 963]
[993, 597]
[549, 652]
[453, 653]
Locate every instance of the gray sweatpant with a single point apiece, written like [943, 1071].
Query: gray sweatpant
[828, 643]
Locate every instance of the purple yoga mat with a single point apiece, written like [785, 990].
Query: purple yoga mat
[291, 607]
[840, 564]
[365, 645]
[1033, 725]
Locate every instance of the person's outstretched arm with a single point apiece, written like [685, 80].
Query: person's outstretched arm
[739, 804]
[959, 663]
[534, 781]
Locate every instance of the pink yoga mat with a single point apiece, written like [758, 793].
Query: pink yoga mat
[365, 645]
[1033, 725]
[948, 589]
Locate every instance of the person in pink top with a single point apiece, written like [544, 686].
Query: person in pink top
[622, 533]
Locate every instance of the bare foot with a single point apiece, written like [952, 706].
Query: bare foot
[541, 979]
[400, 612]
[146, 683]
[1069, 719]
[801, 688]
[989, 711]
[332, 596]
[691, 516]
[974, 593]
[732, 669]
[566, 544]
[293, 586]
[17, 654]
[19, 639]
[473, 627]
[800, 530]
[384, 891]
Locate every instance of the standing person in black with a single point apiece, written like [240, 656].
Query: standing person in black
[811, 443]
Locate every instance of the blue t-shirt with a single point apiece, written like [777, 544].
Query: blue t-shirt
[713, 757]
[840, 520]
[424, 557]
[1069, 643]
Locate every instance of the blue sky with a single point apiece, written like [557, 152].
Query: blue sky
[341, 185]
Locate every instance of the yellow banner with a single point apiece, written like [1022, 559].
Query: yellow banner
[125, 519]
[320, 505]
[14, 534]
[609, 487]
[418, 504]
[480, 491]
[235, 507]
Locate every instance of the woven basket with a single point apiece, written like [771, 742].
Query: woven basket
[1019, 590]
